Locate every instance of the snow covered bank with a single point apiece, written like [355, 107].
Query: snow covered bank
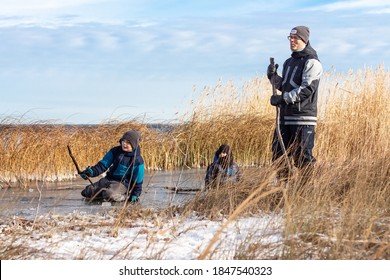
[93, 237]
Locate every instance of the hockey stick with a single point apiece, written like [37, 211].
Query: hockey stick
[77, 166]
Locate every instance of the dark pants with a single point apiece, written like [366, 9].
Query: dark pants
[299, 143]
[106, 189]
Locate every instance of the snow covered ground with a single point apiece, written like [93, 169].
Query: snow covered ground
[96, 237]
[157, 247]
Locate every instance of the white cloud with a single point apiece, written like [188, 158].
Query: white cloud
[31, 21]
[51, 14]
[352, 4]
[76, 41]
[12, 7]
[93, 40]
[374, 47]
[106, 41]
[380, 11]
[184, 40]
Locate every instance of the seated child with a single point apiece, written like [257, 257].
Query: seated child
[125, 174]
[223, 169]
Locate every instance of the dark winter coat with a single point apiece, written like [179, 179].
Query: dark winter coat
[125, 167]
[222, 169]
[299, 86]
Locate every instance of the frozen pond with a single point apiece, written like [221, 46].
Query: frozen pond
[65, 197]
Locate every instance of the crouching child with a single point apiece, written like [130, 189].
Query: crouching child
[125, 175]
[223, 169]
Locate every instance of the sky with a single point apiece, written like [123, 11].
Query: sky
[93, 61]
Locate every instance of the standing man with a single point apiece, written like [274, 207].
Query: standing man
[298, 100]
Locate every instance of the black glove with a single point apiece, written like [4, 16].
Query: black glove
[88, 172]
[277, 100]
[271, 70]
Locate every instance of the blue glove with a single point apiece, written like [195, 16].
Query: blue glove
[88, 172]
[134, 199]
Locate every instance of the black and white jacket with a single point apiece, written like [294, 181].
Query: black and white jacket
[299, 86]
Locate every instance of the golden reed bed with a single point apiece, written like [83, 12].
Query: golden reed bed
[353, 125]
[342, 212]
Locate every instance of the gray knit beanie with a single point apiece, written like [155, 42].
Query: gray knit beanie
[302, 31]
[133, 137]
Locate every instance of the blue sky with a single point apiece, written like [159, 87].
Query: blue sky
[89, 61]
